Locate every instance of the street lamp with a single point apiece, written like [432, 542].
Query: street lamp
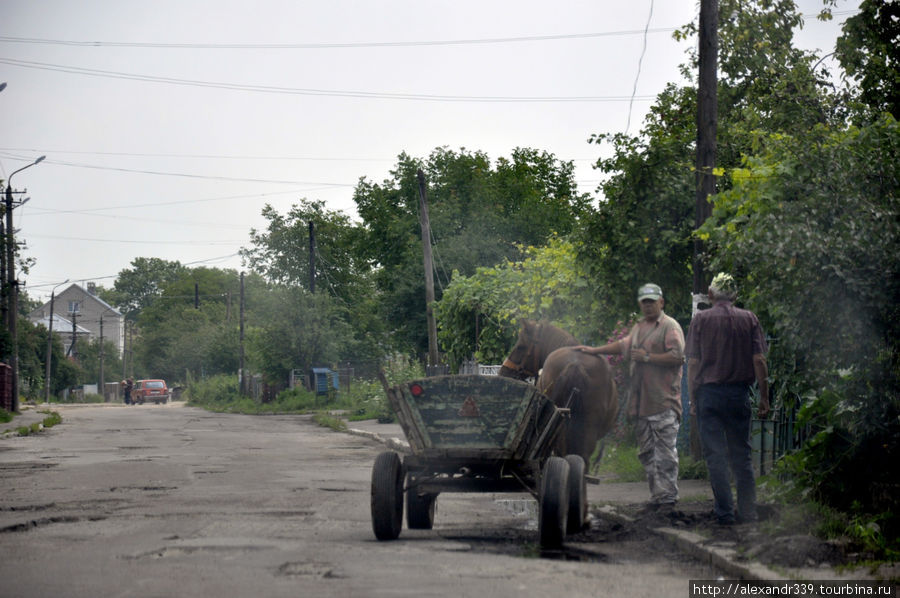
[50, 344]
[11, 289]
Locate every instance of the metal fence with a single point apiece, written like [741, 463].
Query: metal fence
[770, 439]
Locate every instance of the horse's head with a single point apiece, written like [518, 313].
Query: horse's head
[525, 360]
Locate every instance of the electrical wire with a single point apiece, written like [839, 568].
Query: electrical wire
[310, 91]
[327, 45]
[640, 62]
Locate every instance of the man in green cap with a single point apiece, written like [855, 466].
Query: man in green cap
[655, 349]
[726, 352]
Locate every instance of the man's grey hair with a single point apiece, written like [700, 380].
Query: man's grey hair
[723, 287]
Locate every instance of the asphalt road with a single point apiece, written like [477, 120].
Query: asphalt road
[174, 501]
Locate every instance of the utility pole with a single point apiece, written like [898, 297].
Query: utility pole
[71, 351]
[242, 381]
[312, 257]
[50, 344]
[707, 124]
[12, 288]
[429, 271]
[124, 349]
[100, 349]
[49, 355]
[131, 350]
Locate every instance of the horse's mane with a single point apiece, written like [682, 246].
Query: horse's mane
[553, 337]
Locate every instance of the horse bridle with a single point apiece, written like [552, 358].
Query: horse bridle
[520, 368]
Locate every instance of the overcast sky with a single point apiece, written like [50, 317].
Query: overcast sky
[167, 125]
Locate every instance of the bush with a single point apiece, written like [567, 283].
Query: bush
[212, 392]
[366, 399]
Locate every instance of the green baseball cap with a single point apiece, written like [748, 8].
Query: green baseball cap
[649, 291]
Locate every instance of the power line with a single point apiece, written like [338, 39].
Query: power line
[134, 241]
[327, 45]
[95, 278]
[640, 62]
[198, 156]
[184, 174]
[361, 45]
[313, 92]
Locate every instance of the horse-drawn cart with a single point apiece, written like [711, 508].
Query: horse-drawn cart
[476, 434]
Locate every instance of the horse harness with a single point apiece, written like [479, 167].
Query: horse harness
[522, 367]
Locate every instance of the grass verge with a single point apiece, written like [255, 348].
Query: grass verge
[53, 418]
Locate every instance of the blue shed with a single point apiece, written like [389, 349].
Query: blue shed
[323, 380]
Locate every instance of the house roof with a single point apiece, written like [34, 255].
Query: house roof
[92, 296]
[61, 325]
[75, 288]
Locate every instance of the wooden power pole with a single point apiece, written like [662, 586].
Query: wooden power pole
[312, 257]
[241, 374]
[707, 121]
[429, 271]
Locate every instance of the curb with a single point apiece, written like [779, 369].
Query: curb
[721, 557]
[396, 444]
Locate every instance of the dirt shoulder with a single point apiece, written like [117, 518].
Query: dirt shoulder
[782, 542]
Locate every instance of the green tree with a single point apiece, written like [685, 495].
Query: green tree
[342, 270]
[478, 315]
[479, 216]
[136, 287]
[646, 217]
[812, 228]
[191, 325]
[869, 51]
[295, 329]
[32, 351]
[89, 362]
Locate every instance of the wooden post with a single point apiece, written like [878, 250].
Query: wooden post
[429, 271]
[707, 121]
[312, 257]
[102, 380]
[242, 381]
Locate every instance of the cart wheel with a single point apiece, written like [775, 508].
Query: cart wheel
[419, 508]
[387, 496]
[578, 503]
[554, 507]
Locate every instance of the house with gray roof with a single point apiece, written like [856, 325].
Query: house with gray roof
[78, 314]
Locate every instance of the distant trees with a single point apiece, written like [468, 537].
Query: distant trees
[481, 214]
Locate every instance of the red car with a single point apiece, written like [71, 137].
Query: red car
[150, 391]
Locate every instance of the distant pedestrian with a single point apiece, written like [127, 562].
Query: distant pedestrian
[655, 351]
[726, 353]
[127, 387]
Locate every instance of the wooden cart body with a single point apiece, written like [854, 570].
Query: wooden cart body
[472, 433]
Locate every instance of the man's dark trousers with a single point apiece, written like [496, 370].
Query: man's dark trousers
[724, 417]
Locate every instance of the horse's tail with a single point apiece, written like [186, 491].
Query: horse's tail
[569, 390]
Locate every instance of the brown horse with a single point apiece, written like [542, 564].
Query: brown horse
[544, 352]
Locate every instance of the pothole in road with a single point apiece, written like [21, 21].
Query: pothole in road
[25, 467]
[320, 570]
[45, 521]
[143, 488]
[522, 543]
[180, 551]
